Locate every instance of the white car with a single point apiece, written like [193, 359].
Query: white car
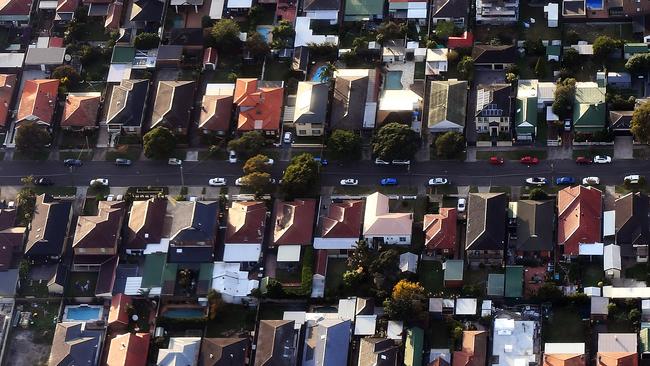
[537, 181]
[240, 181]
[349, 182]
[270, 161]
[589, 181]
[438, 181]
[216, 182]
[174, 161]
[401, 162]
[288, 137]
[99, 181]
[232, 156]
[602, 159]
[381, 162]
[632, 179]
[462, 203]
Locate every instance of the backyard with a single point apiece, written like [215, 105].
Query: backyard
[430, 275]
[565, 324]
[81, 284]
[334, 278]
[30, 345]
[231, 320]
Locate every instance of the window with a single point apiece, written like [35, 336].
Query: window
[315, 132]
[402, 239]
[302, 132]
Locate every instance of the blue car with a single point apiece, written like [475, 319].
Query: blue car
[388, 182]
[565, 181]
[323, 162]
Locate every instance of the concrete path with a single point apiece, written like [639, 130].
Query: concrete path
[515, 193]
[559, 152]
[623, 147]
[463, 191]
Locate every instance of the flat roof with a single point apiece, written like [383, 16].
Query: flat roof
[453, 270]
[514, 281]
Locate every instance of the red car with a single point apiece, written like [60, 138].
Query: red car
[583, 160]
[496, 160]
[529, 160]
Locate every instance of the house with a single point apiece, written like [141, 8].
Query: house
[38, 101]
[589, 108]
[126, 106]
[96, 237]
[224, 352]
[494, 57]
[447, 106]
[453, 272]
[232, 283]
[436, 61]
[535, 223]
[305, 34]
[75, 343]
[473, 350]
[44, 58]
[169, 56]
[245, 230]
[598, 308]
[191, 228]
[631, 224]
[380, 226]
[612, 261]
[409, 10]
[145, 224]
[259, 106]
[276, 343]
[497, 12]
[293, 228]
[15, 12]
[146, 12]
[514, 341]
[413, 347]
[552, 12]
[181, 351]
[7, 92]
[619, 122]
[403, 106]
[65, 10]
[378, 352]
[312, 100]
[464, 41]
[81, 111]
[173, 106]
[48, 229]
[493, 109]
[216, 108]
[129, 349]
[191, 39]
[440, 232]
[617, 349]
[486, 227]
[354, 101]
[631, 49]
[341, 228]
[565, 354]
[322, 9]
[118, 315]
[449, 11]
[579, 218]
[363, 10]
[326, 342]
[526, 110]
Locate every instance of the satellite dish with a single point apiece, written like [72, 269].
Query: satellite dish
[67, 57]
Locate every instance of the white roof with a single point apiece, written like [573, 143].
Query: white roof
[599, 305]
[645, 304]
[335, 243]
[408, 262]
[378, 221]
[47, 4]
[119, 72]
[435, 305]
[437, 54]
[592, 291]
[347, 308]
[590, 249]
[216, 9]
[612, 257]
[365, 324]
[609, 223]
[240, 4]
[513, 342]
[242, 252]
[527, 88]
[436, 353]
[132, 285]
[181, 351]
[626, 292]
[42, 42]
[395, 329]
[370, 114]
[486, 308]
[288, 253]
[398, 100]
[162, 247]
[583, 49]
[317, 285]
[220, 89]
[11, 60]
[416, 13]
[550, 116]
[466, 306]
[304, 34]
[552, 10]
[299, 318]
[567, 348]
[229, 280]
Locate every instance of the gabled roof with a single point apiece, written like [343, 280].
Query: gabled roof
[378, 221]
[343, 220]
[147, 10]
[440, 229]
[181, 351]
[190, 223]
[473, 350]
[486, 221]
[294, 222]
[535, 225]
[449, 9]
[620, 120]
[15, 7]
[493, 100]
[173, 105]
[118, 313]
[67, 6]
[106, 275]
[114, 15]
[526, 107]
[617, 359]
[126, 105]
[130, 349]
[75, 344]
[632, 219]
[216, 107]
[579, 217]
[223, 351]
[489, 54]
[328, 341]
[246, 222]
[81, 109]
[7, 91]
[311, 102]
[260, 108]
[49, 226]
[589, 106]
[564, 354]
[275, 343]
[50, 56]
[349, 100]
[38, 100]
[145, 223]
[312, 5]
[378, 352]
[101, 230]
[447, 103]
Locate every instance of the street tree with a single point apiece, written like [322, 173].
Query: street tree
[465, 68]
[538, 194]
[249, 144]
[640, 124]
[225, 34]
[31, 139]
[159, 143]
[450, 144]
[564, 97]
[257, 164]
[301, 176]
[258, 182]
[395, 141]
[344, 145]
[408, 302]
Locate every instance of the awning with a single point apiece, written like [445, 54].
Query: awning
[288, 253]
[119, 72]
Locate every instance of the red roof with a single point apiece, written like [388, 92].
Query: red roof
[579, 217]
[343, 220]
[118, 313]
[7, 87]
[617, 359]
[114, 14]
[129, 350]
[15, 7]
[440, 230]
[210, 56]
[67, 6]
[294, 222]
[246, 223]
[55, 42]
[259, 108]
[466, 40]
[80, 110]
[38, 100]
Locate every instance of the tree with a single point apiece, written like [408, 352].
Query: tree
[257, 181]
[146, 41]
[537, 194]
[450, 144]
[540, 68]
[571, 59]
[444, 29]
[604, 46]
[31, 139]
[390, 30]
[361, 256]
[395, 141]
[249, 144]
[549, 292]
[301, 176]
[257, 164]
[344, 145]
[256, 45]
[27, 181]
[159, 143]
[408, 302]
[214, 303]
[26, 201]
[225, 34]
[640, 124]
[283, 34]
[638, 63]
[534, 48]
[465, 68]
[67, 75]
[328, 71]
[359, 44]
[564, 97]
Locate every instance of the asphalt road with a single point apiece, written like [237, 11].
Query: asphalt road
[512, 173]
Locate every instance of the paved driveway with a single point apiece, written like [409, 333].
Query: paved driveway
[623, 147]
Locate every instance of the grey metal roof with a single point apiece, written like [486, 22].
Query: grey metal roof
[535, 225]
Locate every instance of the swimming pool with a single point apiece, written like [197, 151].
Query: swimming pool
[393, 80]
[318, 75]
[265, 32]
[595, 4]
[82, 313]
[181, 313]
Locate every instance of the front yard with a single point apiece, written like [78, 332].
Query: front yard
[130, 152]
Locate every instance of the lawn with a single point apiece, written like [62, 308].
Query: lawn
[231, 320]
[420, 70]
[81, 284]
[287, 277]
[275, 311]
[639, 272]
[438, 334]
[641, 153]
[334, 277]
[90, 206]
[593, 151]
[34, 288]
[44, 321]
[81, 155]
[125, 152]
[591, 274]
[565, 325]
[430, 275]
[77, 140]
[511, 154]
[539, 29]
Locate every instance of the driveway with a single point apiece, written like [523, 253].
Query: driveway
[623, 147]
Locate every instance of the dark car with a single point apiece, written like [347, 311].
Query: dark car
[122, 162]
[43, 182]
[72, 162]
[583, 160]
[562, 181]
[388, 182]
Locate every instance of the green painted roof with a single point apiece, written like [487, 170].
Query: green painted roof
[153, 269]
[553, 50]
[589, 108]
[635, 48]
[514, 285]
[205, 273]
[363, 8]
[170, 272]
[644, 340]
[526, 115]
[413, 347]
[495, 284]
[123, 55]
[454, 270]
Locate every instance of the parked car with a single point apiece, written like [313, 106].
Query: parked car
[216, 182]
[72, 162]
[388, 181]
[381, 162]
[565, 181]
[99, 181]
[583, 160]
[349, 182]
[602, 159]
[438, 181]
[174, 161]
[43, 181]
[122, 162]
[232, 156]
[461, 205]
[537, 181]
[590, 181]
[270, 162]
[287, 138]
[240, 181]
[632, 179]
[401, 162]
[321, 161]
[530, 160]
[496, 160]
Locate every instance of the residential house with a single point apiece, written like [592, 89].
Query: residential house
[486, 227]
[48, 229]
[449, 11]
[191, 39]
[473, 351]
[76, 343]
[146, 12]
[233, 284]
[535, 223]
[354, 101]
[38, 102]
[259, 106]
[494, 57]
[173, 106]
[447, 106]
[363, 10]
[326, 342]
[380, 226]
[620, 121]
[129, 349]
[65, 10]
[81, 111]
[216, 109]
[322, 9]
[305, 35]
[565, 354]
[631, 224]
[497, 12]
[612, 261]
[181, 351]
[191, 228]
[126, 106]
[44, 58]
[579, 218]
[224, 352]
[310, 113]
[118, 315]
[589, 108]
[293, 228]
[617, 349]
[145, 224]
[403, 106]
[276, 343]
[378, 352]
[408, 10]
[7, 92]
[15, 12]
[440, 232]
[631, 49]
[341, 228]
[96, 237]
[493, 109]
[169, 56]
[436, 61]
[526, 110]
[113, 15]
[515, 342]
[413, 346]
[245, 230]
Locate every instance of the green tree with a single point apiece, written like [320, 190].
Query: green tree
[450, 144]
[344, 145]
[390, 30]
[146, 41]
[328, 71]
[465, 68]
[540, 68]
[257, 164]
[256, 45]
[249, 144]
[31, 139]
[640, 124]
[444, 29]
[359, 44]
[361, 256]
[225, 34]
[27, 181]
[301, 176]
[67, 75]
[408, 302]
[638, 63]
[538, 194]
[26, 201]
[258, 182]
[604, 46]
[395, 141]
[564, 97]
[571, 59]
[214, 303]
[283, 34]
[534, 48]
[159, 143]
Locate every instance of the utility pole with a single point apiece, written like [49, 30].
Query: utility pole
[182, 177]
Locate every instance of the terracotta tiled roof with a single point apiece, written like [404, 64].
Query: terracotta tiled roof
[440, 229]
[473, 351]
[379, 221]
[130, 349]
[114, 15]
[563, 359]
[15, 7]
[294, 222]
[343, 220]
[145, 223]
[11, 243]
[102, 230]
[246, 223]
[259, 108]
[38, 100]
[67, 6]
[617, 359]
[216, 111]
[55, 42]
[7, 88]
[118, 313]
[81, 110]
[579, 217]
